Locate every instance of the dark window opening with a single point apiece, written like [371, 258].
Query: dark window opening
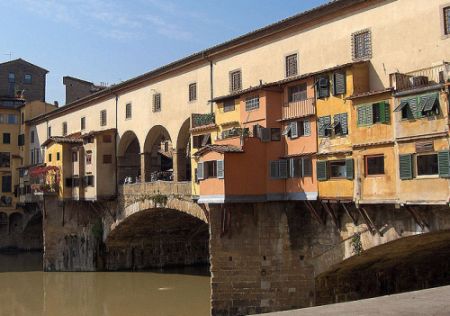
[374, 165]
[427, 165]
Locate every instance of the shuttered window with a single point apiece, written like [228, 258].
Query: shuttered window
[220, 169]
[6, 184]
[405, 163]
[291, 65]
[370, 114]
[362, 45]
[235, 81]
[324, 126]
[228, 106]
[192, 92]
[322, 170]
[200, 171]
[294, 130]
[447, 20]
[339, 84]
[300, 167]
[278, 169]
[349, 168]
[340, 124]
[157, 102]
[323, 87]
[21, 140]
[265, 134]
[444, 164]
[419, 106]
[103, 118]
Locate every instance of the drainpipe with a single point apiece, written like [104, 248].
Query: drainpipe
[211, 82]
[115, 150]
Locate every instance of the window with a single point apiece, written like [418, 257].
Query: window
[323, 87]
[49, 157]
[69, 182]
[74, 156]
[49, 132]
[252, 103]
[337, 169]
[107, 159]
[427, 165]
[340, 124]
[362, 45]
[21, 139]
[279, 169]
[5, 160]
[192, 92]
[419, 106]
[291, 65]
[32, 137]
[447, 20]
[12, 119]
[27, 78]
[200, 141]
[235, 81]
[88, 181]
[33, 161]
[374, 165]
[22, 118]
[275, 134]
[210, 169]
[157, 102]
[339, 84]
[58, 156]
[374, 113]
[6, 138]
[298, 128]
[107, 138]
[83, 123]
[228, 106]
[6, 184]
[103, 118]
[297, 93]
[64, 128]
[128, 111]
[89, 158]
[11, 77]
[324, 126]
[300, 167]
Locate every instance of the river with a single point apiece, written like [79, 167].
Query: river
[27, 291]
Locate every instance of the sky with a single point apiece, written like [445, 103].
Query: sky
[112, 41]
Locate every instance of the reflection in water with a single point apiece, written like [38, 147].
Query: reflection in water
[31, 292]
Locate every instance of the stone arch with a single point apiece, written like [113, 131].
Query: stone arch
[15, 223]
[183, 160]
[3, 223]
[129, 157]
[158, 155]
[33, 232]
[158, 234]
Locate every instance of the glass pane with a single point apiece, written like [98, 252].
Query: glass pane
[427, 165]
[338, 169]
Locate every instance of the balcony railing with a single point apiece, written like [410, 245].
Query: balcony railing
[299, 108]
[421, 78]
[203, 119]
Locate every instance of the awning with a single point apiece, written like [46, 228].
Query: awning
[401, 106]
[430, 103]
[422, 103]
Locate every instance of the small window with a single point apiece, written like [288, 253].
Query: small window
[278, 169]
[297, 93]
[447, 20]
[128, 112]
[252, 103]
[11, 77]
[89, 158]
[157, 102]
[88, 181]
[5, 160]
[200, 141]
[323, 87]
[49, 132]
[192, 92]
[374, 165]
[6, 138]
[58, 156]
[32, 137]
[291, 65]
[74, 156]
[427, 165]
[21, 139]
[49, 157]
[338, 169]
[27, 78]
[275, 134]
[107, 159]
[6, 184]
[107, 138]
[103, 118]
[64, 128]
[362, 45]
[12, 119]
[235, 81]
[228, 106]
[300, 167]
[83, 123]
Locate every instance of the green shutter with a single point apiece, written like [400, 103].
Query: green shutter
[320, 127]
[385, 112]
[413, 106]
[361, 115]
[344, 123]
[220, 169]
[322, 170]
[444, 164]
[349, 166]
[200, 171]
[369, 114]
[406, 167]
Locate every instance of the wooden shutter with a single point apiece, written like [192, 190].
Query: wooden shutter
[361, 115]
[369, 115]
[292, 168]
[344, 123]
[274, 172]
[406, 167]
[321, 127]
[294, 129]
[306, 167]
[385, 114]
[306, 128]
[412, 113]
[339, 83]
[220, 169]
[283, 165]
[444, 164]
[349, 168]
[201, 171]
[322, 170]
[265, 134]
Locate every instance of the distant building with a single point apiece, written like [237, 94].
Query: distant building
[77, 89]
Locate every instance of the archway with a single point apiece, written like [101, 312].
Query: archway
[158, 153]
[183, 160]
[15, 223]
[129, 159]
[32, 232]
[156, 238]
[3, 223]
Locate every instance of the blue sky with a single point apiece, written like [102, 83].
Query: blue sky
[114, 40]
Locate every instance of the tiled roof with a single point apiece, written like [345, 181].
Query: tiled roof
[93, 133]
[218, 148]
[63, 140]
[369, 93]
[203, 127]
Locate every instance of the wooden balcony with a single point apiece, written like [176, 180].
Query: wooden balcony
[298, 109]
[439, 74]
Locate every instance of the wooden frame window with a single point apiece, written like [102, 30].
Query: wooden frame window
[291, 65]
[88, 158]
[427, 165]
[362, 45]
[6, 138]
[235, 80]
[128, 111]
[297, 93]
[446, 12]
[374, 165]
[103, 118]
[156, 102]
[252, 103]
[337, 169]
[228, 106]
[192, 92]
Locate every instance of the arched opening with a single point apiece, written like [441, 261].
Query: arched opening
[129, 159]
[3, 223]
[15, 223]
[407, 264]
[32, 233]
[158, 238]
[183, 160]
[158, 152]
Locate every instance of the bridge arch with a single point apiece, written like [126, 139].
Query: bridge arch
[182, 152]
[3, 223]
[158, 154]
[129, 158]
[15, 223]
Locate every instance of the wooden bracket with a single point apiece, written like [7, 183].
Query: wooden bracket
[352, 216]
[373, 229]
[332, 214]
[417, 217]
[314, 212]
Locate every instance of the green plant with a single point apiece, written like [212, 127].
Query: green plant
[357, 244]
[159, 199]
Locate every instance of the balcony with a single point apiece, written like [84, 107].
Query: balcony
[202, 120]
[298, 109]
[439, 74]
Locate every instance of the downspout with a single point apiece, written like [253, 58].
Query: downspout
[115, 149]
[211, 83]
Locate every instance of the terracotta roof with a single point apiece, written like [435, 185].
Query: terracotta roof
[93, 133]
[62, 140]
[369, 93]
[204, 127]
[299, 155]
[338, 152]
[219, 149]
[373, 144]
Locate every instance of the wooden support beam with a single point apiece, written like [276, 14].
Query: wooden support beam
[314, 212]
[373, 229]
[332, 214]
[417, 217]
[347, 211]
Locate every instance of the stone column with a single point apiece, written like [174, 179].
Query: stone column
[175, 158]
[146, 167]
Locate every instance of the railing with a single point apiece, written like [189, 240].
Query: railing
[420, 78]
[202, 119]
[158, 187]
[299, 108]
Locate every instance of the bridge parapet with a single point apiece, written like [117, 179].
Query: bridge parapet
[168, 188]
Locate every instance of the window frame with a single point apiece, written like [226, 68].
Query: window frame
[128, 111]
[416, 165]
[83, 123]
[355, 46]
[6, 139]
[252, 107]
[192, 91]
[227, 105]
[445, 23]
[235, 86]
[288, 72]
[11, 77]
[366, 166]
[103, 118]
[28, 81]
[156, 106]
[329, 167]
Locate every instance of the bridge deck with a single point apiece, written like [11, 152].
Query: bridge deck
[426, 302]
